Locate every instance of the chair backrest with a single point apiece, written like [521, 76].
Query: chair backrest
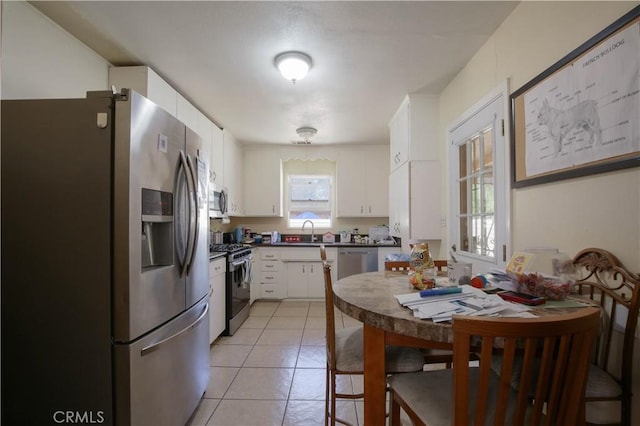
[554, 366]
[440, 265]
[617, 291]
[396, 265]
[399, 265]
[329, 309]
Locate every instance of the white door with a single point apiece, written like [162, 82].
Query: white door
[479, 184]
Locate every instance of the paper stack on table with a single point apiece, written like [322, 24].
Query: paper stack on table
[470, 301]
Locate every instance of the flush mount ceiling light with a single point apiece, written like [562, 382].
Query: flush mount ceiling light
[293, 65]
[306, 133]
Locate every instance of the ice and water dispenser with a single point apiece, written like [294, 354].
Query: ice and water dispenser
[157, 228]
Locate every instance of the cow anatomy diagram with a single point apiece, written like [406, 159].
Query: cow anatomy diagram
[587, 111]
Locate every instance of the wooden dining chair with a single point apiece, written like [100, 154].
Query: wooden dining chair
[555, 352]
[345, 352]
[617, 291]
[400, 265]
[396, 265]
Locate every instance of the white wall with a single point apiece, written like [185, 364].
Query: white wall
[41, 60]
[596, 211]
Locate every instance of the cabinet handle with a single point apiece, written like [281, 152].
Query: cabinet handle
[369, 209]
[312, 269]
[273, 208]
[361, 209]
[303, 270]
[213, 175]
[268, 291]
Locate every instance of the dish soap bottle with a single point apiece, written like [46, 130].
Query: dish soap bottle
[422, 271]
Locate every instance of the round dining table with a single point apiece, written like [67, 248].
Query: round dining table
[369, 298]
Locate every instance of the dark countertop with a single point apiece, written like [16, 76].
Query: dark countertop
[327, 245]
[213, 255]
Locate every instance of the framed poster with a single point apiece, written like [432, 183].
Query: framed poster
[582, 115]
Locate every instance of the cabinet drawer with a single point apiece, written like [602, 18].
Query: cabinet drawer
[272, 277]
[269, 255]
[270, 265]
[272, 291]
[217, 266]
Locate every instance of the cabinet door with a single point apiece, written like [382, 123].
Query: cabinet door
[399, 202]
[399, 136]
[263, 183]
[217, 156]
[350, 185]
[315, 281]
[425, 202]
[297, 279]
[362, 183]
[232, 174]
[187, 113]
[377, 184]
[217, 298]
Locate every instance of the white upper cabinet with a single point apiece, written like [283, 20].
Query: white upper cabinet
[362, 185]
[233, 174]
[262, 182]
[216, 167]
[415, 193]
[399, 136]
[186, 112]
[204, 130]
[145, 81]
[414, 130]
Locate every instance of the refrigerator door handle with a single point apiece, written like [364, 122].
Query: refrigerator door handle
[193, 216]
[189, 248]
[147, 349]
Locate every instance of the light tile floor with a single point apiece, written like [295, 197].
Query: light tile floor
[272, 371]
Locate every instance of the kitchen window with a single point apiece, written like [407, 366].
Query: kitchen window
[309, 199]
[479, 181]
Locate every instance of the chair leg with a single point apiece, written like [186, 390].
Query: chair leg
[326, 397]
[394, 410]
[333, 398]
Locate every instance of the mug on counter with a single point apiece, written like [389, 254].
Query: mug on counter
[458, 270]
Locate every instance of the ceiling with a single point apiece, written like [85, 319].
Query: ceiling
[367, 55]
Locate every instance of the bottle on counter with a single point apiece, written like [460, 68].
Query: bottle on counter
[422, 270]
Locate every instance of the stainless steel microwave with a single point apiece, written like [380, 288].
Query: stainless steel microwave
[218, 202]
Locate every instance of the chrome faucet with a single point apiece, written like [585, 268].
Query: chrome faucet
[313, 232]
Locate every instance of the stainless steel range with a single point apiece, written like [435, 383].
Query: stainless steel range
[238, 284]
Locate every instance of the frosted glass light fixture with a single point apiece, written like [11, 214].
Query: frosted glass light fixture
[306, 133]
[293, 66]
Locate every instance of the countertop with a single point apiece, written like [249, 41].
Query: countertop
[327, 245]
[213, 255]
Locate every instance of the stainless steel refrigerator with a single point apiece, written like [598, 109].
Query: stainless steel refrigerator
[104, 263]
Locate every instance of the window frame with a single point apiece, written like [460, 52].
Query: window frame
[329, 201]
[490, 111]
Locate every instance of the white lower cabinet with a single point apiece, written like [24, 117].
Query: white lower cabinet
[305, 280]
[217, 294]
[304, 274]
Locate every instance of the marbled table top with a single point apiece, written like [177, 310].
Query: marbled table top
[368, 297]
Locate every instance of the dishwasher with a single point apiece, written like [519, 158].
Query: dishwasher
[355, 260]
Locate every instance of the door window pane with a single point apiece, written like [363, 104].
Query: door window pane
[476, 185]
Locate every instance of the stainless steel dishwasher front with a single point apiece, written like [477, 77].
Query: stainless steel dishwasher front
[355, 260]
